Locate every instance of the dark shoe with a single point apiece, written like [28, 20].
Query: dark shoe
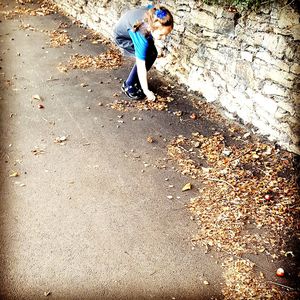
[133, 92]
[130, 91]
[139, 92]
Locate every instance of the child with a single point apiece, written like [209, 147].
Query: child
[136, 33]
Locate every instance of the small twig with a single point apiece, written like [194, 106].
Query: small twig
[182, 148]
[282, 285]
[220, 180]
[52, 79]
[153, 273]
[288, 4]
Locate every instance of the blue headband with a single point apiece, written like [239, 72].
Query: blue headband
[160, 13]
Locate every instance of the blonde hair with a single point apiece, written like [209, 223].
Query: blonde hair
[151, 18]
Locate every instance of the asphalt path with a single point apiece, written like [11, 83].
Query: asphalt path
[89, 216]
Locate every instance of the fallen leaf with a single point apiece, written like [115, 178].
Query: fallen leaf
[187, 187]
[227, 152]
[196, 144]
[177, 113]
[150, 139]
[193, 116]
[37, 97]
[289, 253]
[37, 151]
[14, 174]
[60, 140]
[268, 151]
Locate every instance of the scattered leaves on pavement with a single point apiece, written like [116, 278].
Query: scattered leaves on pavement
[160, 104]
[44, 8]
[248, 203]
[59, 38]
[242, 282]
[27, 27]
[228, 204]
[111, 59]
[95, 38]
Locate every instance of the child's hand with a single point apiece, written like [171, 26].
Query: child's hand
[150, 95]
[160, 54]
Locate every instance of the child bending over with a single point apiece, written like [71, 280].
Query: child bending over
[137, 32]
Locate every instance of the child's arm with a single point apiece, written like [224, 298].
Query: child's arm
[142, 73]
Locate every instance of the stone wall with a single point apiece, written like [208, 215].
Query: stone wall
[248, 64]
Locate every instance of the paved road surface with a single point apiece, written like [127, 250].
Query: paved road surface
[82, 220]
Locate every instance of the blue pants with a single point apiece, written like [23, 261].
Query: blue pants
[151, 56]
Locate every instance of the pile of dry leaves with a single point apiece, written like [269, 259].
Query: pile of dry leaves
[160, 104]
[111, 59]
[94, 38]
[246, 187]
[45, 7]
[59, 38]
[27, 27]
[248, 203]
[242, 282]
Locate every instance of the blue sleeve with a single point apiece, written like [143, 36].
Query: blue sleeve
[140, 44]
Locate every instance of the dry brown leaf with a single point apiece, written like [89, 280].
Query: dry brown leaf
[37, 97]
[150, 139]
[187, 187]
[14, 174]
